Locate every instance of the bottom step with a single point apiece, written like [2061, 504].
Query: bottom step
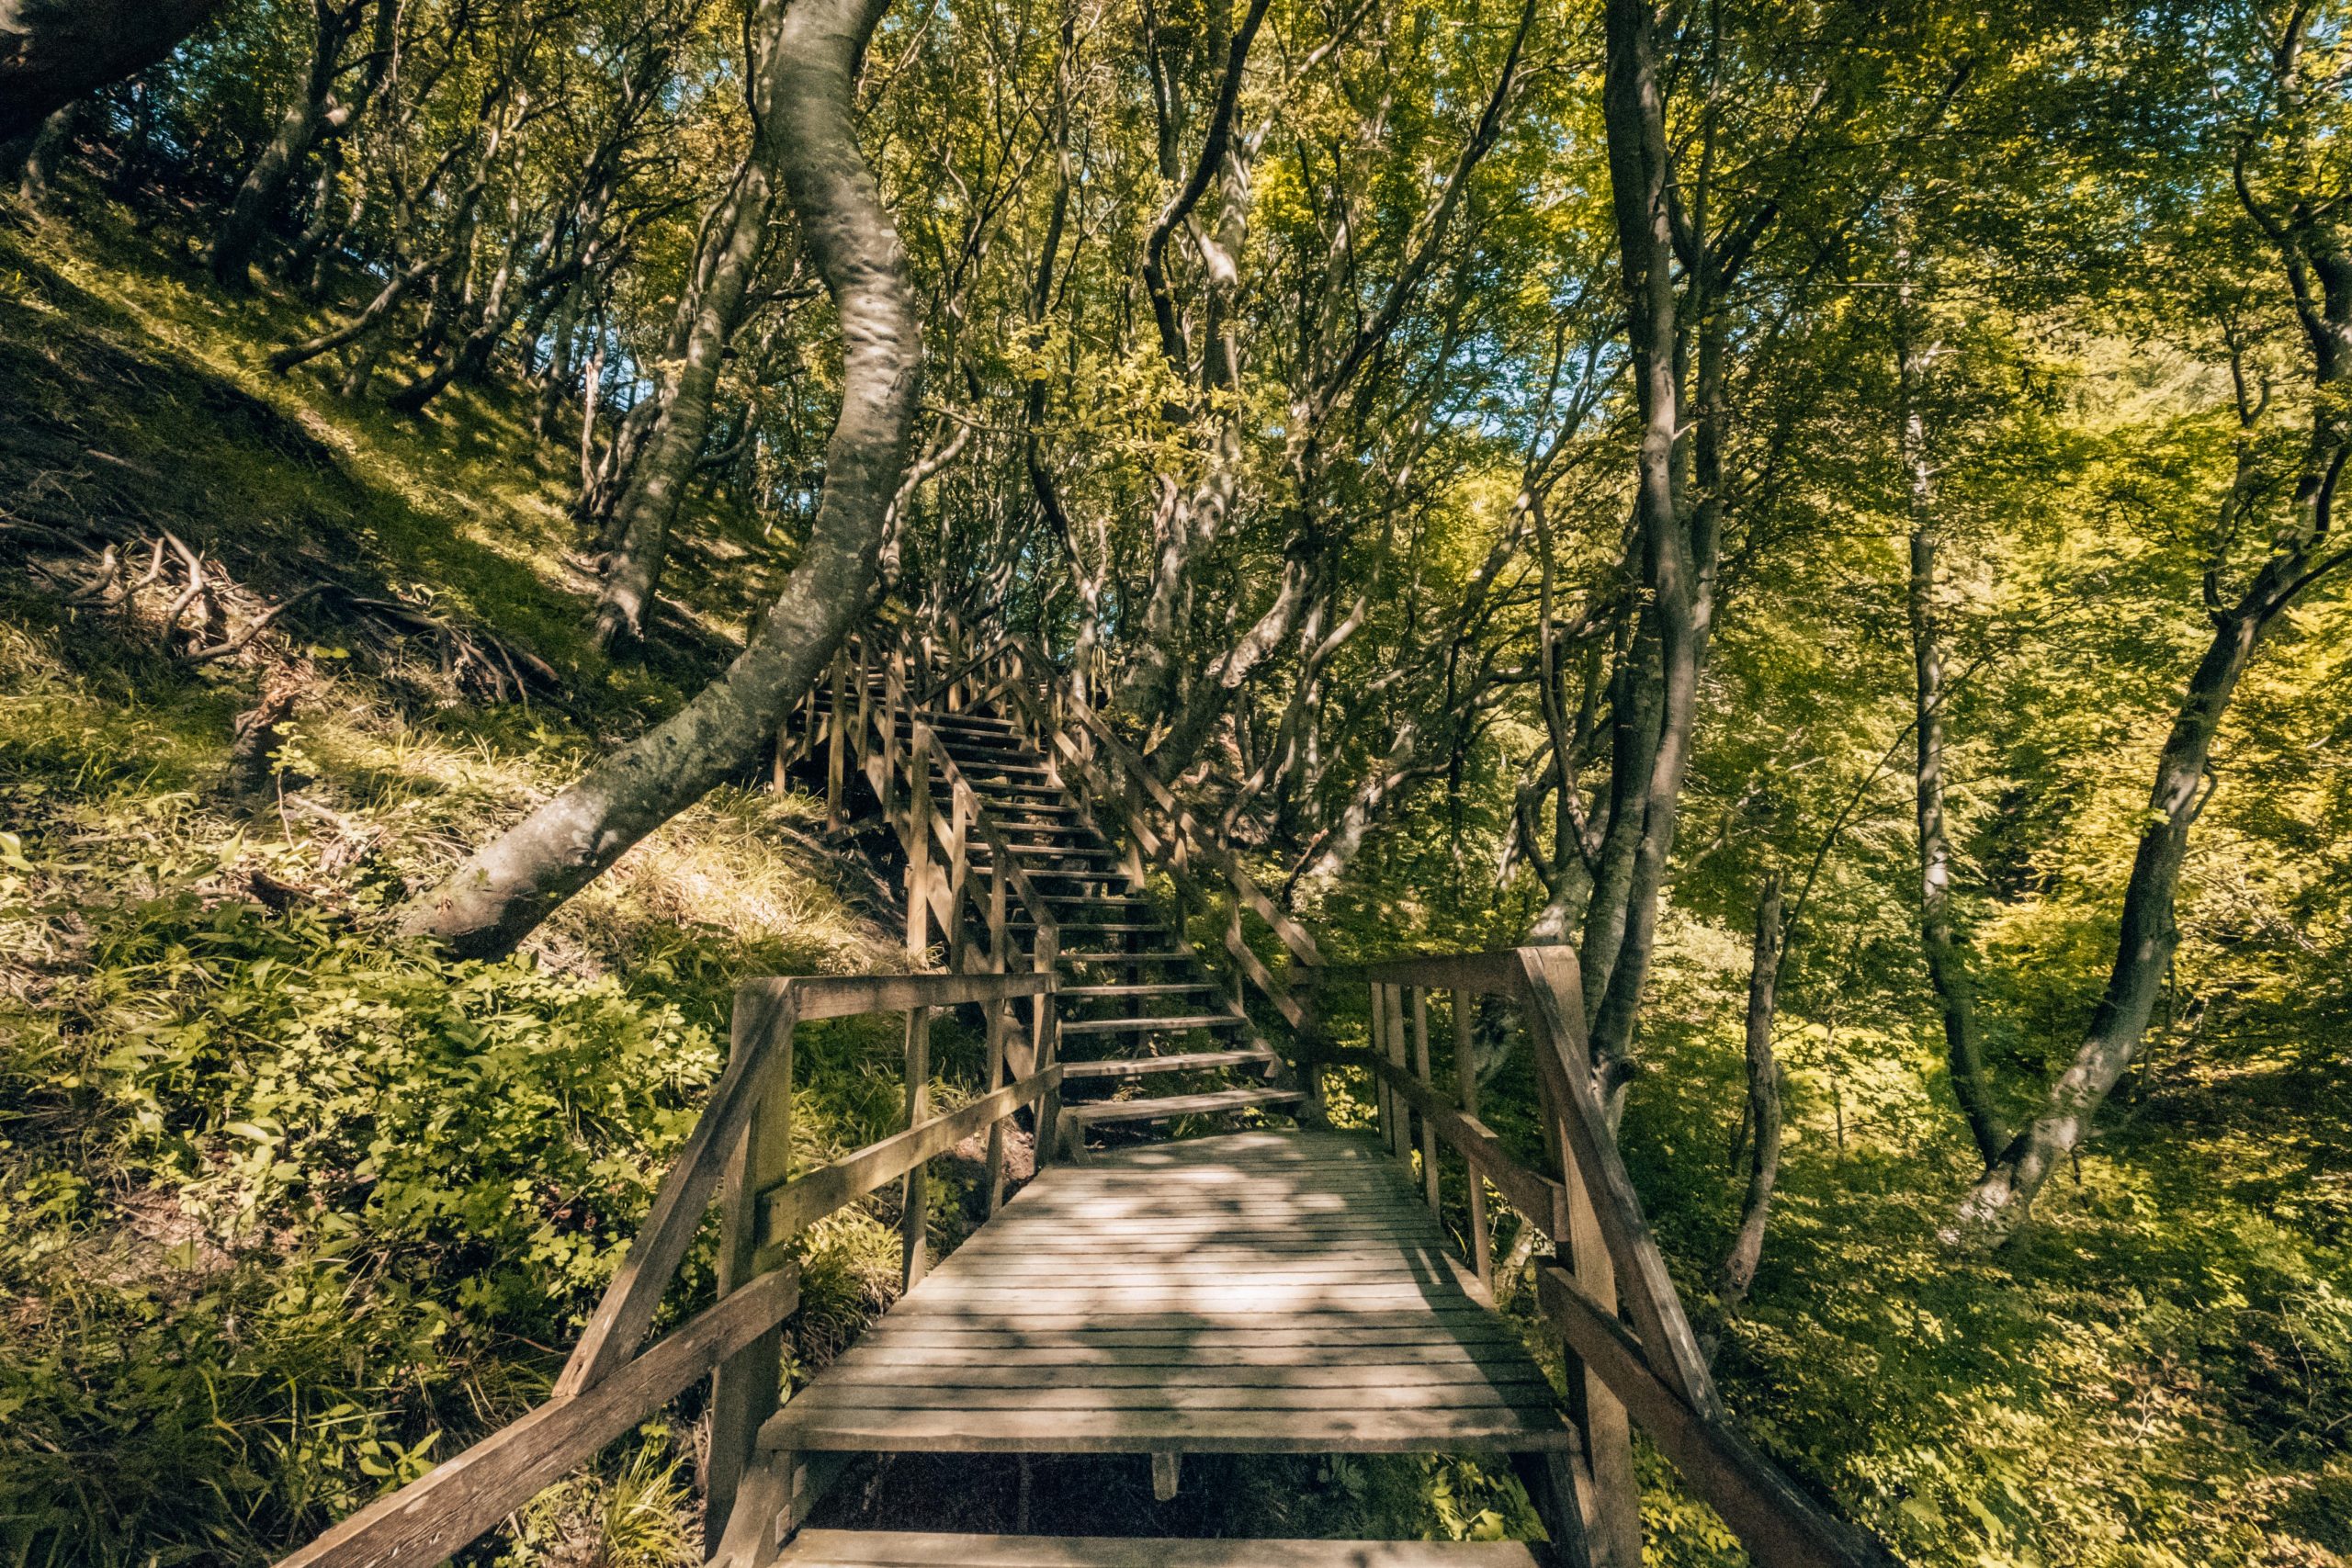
[909, 1549]
[1099, 1110]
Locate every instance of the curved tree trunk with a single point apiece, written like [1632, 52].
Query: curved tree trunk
[801, 100]
[2313, 246]
[53, 51]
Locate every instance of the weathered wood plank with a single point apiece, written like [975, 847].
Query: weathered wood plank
[1214, 1400]
[847, 995]
[431, 1516]
[1485, 974]
[1144, 1431]
[939, 1373]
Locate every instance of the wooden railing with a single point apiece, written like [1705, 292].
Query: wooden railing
[742, 1143]
[1131, 805]
[890, 675]
[853, 718]
[1631, 1354]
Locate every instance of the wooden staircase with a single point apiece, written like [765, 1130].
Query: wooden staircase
[1272, 1289]
[1020, 857]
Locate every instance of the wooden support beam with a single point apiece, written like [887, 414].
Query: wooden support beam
[1465, 1073]
[1167, 1474]
[744, 1389]
[764, 1011]
[1421, 1072]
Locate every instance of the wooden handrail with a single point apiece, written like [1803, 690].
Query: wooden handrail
[743, 1137]
[1781, 1527]
[1652, 1373]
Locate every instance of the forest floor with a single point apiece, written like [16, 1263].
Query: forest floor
[289, 1209]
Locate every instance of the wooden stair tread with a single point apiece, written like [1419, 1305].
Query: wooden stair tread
[1172, 1024]
[910, 1548]
[1069, 957]
[1093, 1111]
[1180, 1062]
[1143, 988]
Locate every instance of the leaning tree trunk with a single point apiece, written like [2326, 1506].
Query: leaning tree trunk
[2312, 245]
[803, 80]
[658, 483]
[2144, 945]
[53, 51]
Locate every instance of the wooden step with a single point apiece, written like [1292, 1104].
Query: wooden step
[1114, 958]
[1093, 1112]
[1174, 1023]
[912, 1549]
[1129, 900]
[1131, 928]
[1149, 988]
[989, 765]
[1179, 1062]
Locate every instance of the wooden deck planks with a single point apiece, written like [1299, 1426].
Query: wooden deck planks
[1257, 1292]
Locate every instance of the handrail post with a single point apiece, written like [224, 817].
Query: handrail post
[1045, 1042]
[1400, 1132]
[1420, 996]
[1465, 1075]
[745, 1386]
[999, 1015]
[915, 1190]
[918, 841]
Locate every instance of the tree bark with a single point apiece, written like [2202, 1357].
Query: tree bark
[1633, 113]
[35, 175]
[1763, 1104]
[803, 80]
[53, 51]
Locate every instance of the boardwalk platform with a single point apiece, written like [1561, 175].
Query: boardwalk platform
[1277, 1293]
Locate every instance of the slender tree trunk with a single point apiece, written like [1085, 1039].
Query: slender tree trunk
[2148, 936]
[803, 79]
[658, 483]
[54, 52]
[1763, 1104]
[1947, 964]
[1634, 117]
